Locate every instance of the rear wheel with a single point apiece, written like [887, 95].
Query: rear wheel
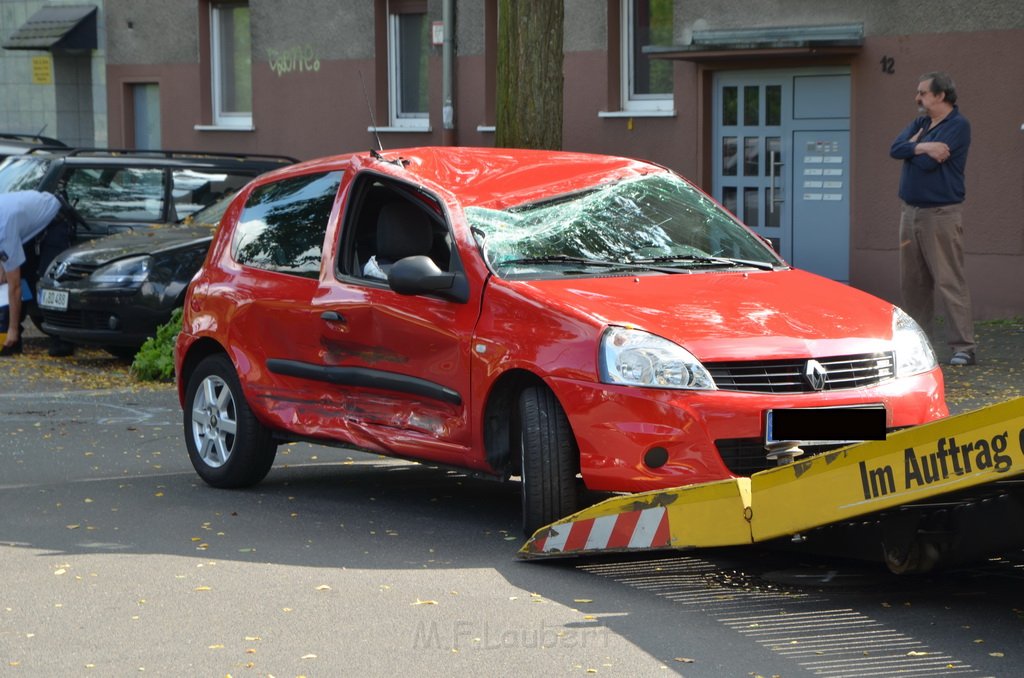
[227, 445]
[549, 459]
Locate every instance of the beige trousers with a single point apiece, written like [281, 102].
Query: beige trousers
[932, 261]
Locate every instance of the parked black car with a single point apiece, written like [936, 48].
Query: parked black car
[115, 291]
[118, 190]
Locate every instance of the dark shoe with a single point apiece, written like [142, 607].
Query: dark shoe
[962, 358]
[11, 350]
[60, 349]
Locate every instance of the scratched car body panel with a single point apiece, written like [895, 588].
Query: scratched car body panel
[547, 315]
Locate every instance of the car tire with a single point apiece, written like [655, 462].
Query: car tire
[227, 445]
[549, 459]
[125, 353]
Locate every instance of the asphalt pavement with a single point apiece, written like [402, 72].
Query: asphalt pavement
[118, 561]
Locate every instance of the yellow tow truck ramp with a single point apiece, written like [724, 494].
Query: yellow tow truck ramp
[908, 484]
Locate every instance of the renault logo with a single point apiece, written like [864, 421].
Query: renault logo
[62, 268]
[815, 374]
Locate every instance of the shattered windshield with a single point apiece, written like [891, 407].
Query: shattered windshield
[654, 223]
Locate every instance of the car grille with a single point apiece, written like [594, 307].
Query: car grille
[78, 320]
[73, 271]
[745, 456]
[788, 376]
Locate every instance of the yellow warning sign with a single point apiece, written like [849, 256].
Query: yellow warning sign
[42, 70]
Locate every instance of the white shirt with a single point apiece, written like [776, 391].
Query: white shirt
[23, 216]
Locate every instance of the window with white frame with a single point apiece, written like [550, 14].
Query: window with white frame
[231, 57]
[646, 82]
[408, 52]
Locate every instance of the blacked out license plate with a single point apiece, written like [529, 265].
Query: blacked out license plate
[826, 424]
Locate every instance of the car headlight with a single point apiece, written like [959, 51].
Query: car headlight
[638, 358]
[914, 353]
[123, 272]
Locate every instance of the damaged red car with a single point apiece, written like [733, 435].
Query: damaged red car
[564, 319]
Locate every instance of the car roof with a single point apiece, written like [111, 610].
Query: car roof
[489, 177]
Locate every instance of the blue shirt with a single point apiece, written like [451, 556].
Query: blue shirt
[923, 181]
[23, 216]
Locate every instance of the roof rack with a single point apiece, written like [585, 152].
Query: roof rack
[32, 139]
[113, 152]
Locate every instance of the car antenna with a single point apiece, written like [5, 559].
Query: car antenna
[373, 121]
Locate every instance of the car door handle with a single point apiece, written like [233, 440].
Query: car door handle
[332, 317]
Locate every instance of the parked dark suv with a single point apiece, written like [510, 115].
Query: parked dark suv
[159, 209]
[118, 190]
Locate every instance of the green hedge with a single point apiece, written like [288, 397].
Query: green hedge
[155, 360]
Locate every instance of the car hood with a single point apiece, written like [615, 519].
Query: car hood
[150, 240]
[733, 315]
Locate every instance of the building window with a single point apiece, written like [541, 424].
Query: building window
[231, 59]
[646, 84]
[145, 115]
[408, 52]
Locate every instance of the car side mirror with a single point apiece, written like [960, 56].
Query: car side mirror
[420, 275]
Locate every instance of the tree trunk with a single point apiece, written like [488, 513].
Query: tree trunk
[529, 88]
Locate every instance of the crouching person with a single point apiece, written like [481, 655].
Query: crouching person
[32, 234]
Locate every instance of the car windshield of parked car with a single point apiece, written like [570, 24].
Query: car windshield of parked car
[210, 215]
[656, 223]
[195, 189]
[22, 174]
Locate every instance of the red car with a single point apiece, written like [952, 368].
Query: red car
[547, 315]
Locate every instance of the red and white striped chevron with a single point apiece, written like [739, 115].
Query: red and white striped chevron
[640, 529]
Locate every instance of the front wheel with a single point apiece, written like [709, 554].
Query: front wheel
[126, 353]
[227, 445]
[549, 459]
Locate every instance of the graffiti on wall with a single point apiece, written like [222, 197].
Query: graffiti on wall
[299, 59]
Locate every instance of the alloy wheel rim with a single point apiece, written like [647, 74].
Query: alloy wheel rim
[214, 422]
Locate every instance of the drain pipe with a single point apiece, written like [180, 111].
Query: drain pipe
[448, 135]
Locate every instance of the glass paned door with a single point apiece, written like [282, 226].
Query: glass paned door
[751, 153]
[781, 160]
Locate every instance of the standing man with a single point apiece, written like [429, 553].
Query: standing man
[32, 233]
[933, 149]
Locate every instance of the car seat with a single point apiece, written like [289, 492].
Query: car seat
[403, 230]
